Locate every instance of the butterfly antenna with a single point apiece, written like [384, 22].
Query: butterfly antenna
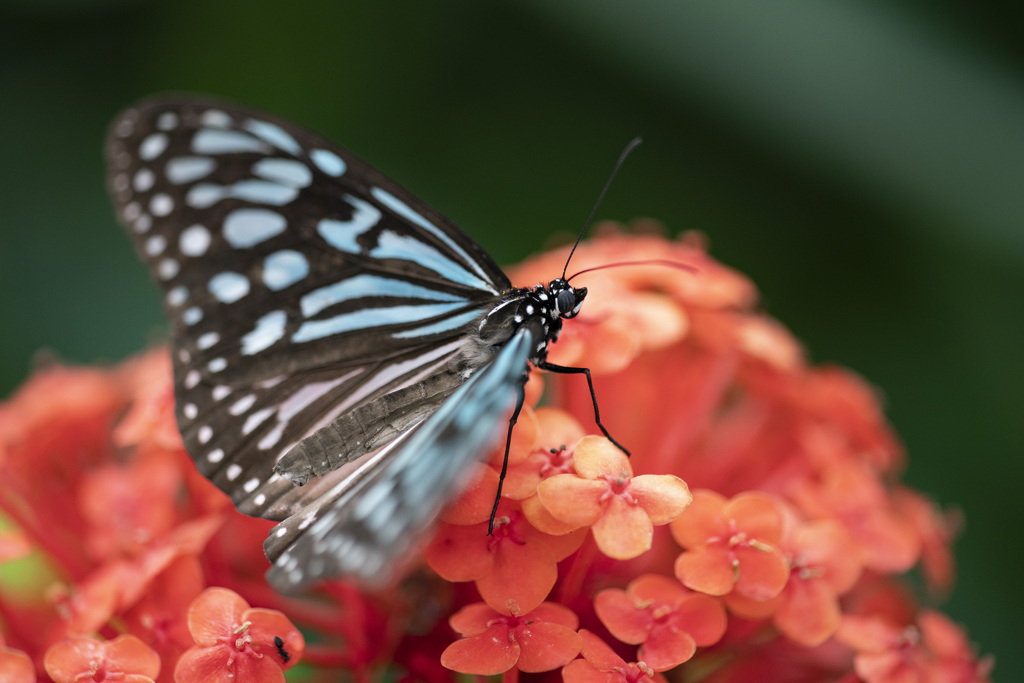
[622, 157]
[646, 262]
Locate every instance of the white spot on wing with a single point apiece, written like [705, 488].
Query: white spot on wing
[284, 171]
[167, 269]
[211, 141]
[328, 162]
[244, 228]
[269, 329]
[220, 392]
[215, 118]
[207, 340]
[155, 245]
[257, 191]
[342, 234]
[273, 134]
[256, 419]
[181, 170]
[242, 405]
[251, 485]
[177, 296]
[233, 471]
[228, 287]
[205, 434]
[144, 179]
[284, 268]
[215, 455]
[194, 240]
[192, 315]
[370, 317]
[191, 379]
[366, 285]
[161, 204]
[217, 364]
[167, 121]
[153, 146]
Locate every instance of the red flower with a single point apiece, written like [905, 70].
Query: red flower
[125, 658]
[731, 545]
[517, 564]
[600, 664]
[540, 640]
[237, 643]
[668, 621]
[621, 509]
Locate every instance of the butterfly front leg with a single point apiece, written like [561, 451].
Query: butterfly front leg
[566, 370]
[520, 400]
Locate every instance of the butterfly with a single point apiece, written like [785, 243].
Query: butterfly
[341, 351]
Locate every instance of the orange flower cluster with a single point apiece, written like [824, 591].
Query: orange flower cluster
[758, 531]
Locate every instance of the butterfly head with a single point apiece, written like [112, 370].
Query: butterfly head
[568, 299]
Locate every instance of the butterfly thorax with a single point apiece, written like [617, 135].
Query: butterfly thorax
[542, 306]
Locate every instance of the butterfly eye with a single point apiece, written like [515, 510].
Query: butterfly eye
[565, 300]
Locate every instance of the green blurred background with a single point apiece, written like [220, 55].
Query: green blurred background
[862, 162]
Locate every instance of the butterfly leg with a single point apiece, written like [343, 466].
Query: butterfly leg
[565, 370]
[520, 399]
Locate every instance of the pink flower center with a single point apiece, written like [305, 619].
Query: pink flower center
[618, 486]
[505, 529]
[239, 644]
[97, 672]
[558, 461]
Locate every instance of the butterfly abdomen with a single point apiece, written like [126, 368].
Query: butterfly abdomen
[374, 425]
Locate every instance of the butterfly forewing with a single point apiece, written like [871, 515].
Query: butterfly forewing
[300, 284]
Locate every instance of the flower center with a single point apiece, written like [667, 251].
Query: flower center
[505, 529]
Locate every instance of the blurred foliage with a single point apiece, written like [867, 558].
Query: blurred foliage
[861, 161]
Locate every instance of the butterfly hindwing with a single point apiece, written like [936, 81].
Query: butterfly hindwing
[369, 520]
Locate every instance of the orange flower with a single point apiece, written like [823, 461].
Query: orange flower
[621, 509]
[824, 564]
[540, 640]
[932, 650]
[237, 643]
[124, 658]
[517, 564]
[665, 619]
[114, 531]
[731, 545]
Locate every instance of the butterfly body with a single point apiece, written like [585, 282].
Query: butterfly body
[341, 351]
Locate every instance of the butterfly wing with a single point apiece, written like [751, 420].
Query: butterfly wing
[300, 283]
[361, 526]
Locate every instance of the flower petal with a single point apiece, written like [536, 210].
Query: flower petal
[666, 648]
[810, 613]
[701, 520]
[708, 570]
[215, 613]
[573, 500]
[596, 456]
[492, 652]
[663, 496]
[624, 531]
[546, 646]
[757, 515]
[763, 571]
